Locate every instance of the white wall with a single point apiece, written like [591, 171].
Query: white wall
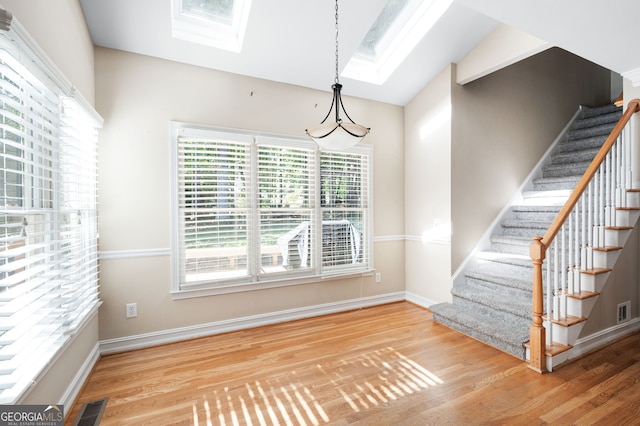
[138, 96]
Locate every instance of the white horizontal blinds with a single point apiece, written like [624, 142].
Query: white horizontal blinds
[286, 182]
[78, 213]
[31, 263]
[344, 194]
[213, 209]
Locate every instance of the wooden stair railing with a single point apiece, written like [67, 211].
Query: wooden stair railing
[598, 202]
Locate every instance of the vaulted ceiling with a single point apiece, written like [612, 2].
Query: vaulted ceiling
[293, 41]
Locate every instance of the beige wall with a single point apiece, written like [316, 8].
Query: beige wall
[58, 27]
[427, 176]
[138, 96]
[504, 46]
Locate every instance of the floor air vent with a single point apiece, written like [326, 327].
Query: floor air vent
[91, 413]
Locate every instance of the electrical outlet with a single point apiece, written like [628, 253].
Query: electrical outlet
[132, 310]
[378, 277]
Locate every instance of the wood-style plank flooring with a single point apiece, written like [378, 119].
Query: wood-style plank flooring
[386, 365]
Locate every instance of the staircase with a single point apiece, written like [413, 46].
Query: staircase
[493, 301]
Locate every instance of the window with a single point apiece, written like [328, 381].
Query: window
[399, 28]
[252, 211]
[48, 221]
[217, 23]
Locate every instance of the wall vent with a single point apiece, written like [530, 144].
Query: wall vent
[91, 413]
[624, 311]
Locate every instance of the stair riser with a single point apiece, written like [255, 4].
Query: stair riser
[626, 217]
[593, 282]
[581, 307]
[566, 335]
[614, 238]
[633, 199]
[605, 259]
[515, 350]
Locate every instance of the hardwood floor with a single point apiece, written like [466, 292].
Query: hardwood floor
[386, 365]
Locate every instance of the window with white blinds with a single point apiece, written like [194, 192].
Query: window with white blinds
[252, 209]
[48, 222]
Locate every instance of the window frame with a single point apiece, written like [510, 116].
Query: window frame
[310, 275]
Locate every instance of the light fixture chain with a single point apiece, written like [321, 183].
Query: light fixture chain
[337, 69]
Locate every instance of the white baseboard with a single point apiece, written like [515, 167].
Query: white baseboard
[419, 300]
[74, 388]
[139, 341]
[597, 340]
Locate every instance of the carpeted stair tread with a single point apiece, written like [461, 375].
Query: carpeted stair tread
[505, 258]
[568, 169]
[597, 120]
[510, 244]
[497, 276]
[600, 130]
[600, 110]
[470, 295]
[496, 330]
[535, 212]
[524, 228]
[577, 145]
[585, 155]
[559, 184]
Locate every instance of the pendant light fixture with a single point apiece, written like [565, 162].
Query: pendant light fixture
[338, 134]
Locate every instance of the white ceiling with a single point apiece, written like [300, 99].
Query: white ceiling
[293, 41]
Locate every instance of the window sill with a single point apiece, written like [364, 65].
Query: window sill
[262, 285]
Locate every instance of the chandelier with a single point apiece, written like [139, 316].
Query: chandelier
[337, 134]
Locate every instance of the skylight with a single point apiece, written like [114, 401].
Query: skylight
[399, 28]
[217, 23]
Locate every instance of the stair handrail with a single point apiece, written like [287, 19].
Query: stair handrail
[539, 246]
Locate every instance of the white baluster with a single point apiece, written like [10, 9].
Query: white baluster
[556, 281]
[549, 288]
[570, 243]
[563, 282]
[607, 187]
[588, 264]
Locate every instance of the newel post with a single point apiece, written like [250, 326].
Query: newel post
[537, 338]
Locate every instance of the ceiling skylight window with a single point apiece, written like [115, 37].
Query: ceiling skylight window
[399, 28]
[217, 23]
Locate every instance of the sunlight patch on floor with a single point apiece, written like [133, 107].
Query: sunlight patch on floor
[362, 382]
